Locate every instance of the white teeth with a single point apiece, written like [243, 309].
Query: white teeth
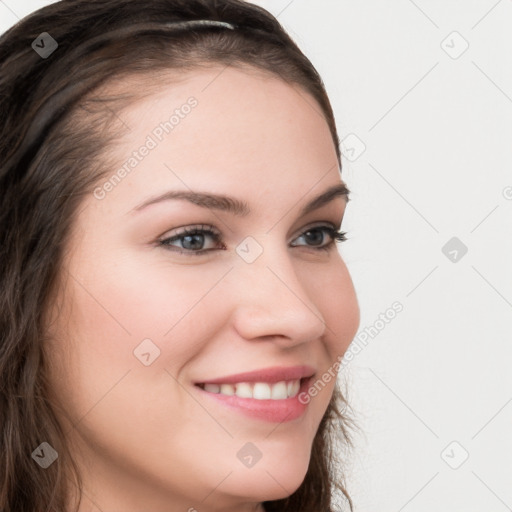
[243, 390]
[257, 390]
[261, 391]
[279, 391]
[293, 387]
[227, 389]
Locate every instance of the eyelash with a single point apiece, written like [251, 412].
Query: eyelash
[336, 236]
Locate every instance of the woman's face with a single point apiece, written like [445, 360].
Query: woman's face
[141, 322]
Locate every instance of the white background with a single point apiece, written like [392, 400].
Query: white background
[435, 123]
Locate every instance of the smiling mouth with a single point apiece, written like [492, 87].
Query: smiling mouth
[281, 390]
[278, 401]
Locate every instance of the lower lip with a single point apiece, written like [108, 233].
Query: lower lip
[275, 411]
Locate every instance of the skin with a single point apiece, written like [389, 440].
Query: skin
[145, 437]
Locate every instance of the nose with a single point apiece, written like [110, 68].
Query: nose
[272, 301]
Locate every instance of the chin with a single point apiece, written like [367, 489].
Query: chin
[269, 483]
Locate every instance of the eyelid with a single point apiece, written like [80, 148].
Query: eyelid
[189, 228]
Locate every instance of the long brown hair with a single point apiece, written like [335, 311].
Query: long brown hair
[55, 131]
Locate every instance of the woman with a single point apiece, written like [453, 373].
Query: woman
[174, 308]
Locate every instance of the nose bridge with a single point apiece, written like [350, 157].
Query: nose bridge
[273, 300]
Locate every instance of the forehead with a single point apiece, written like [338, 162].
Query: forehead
[255, 108]
[225, 129]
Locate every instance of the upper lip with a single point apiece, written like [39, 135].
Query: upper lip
[271, 374]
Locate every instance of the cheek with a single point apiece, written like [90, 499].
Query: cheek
[334, 294]
[118, 306]
[113, 310]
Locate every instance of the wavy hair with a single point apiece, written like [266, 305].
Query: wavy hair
[55, 134]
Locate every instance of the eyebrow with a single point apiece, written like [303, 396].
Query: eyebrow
[240, 208]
